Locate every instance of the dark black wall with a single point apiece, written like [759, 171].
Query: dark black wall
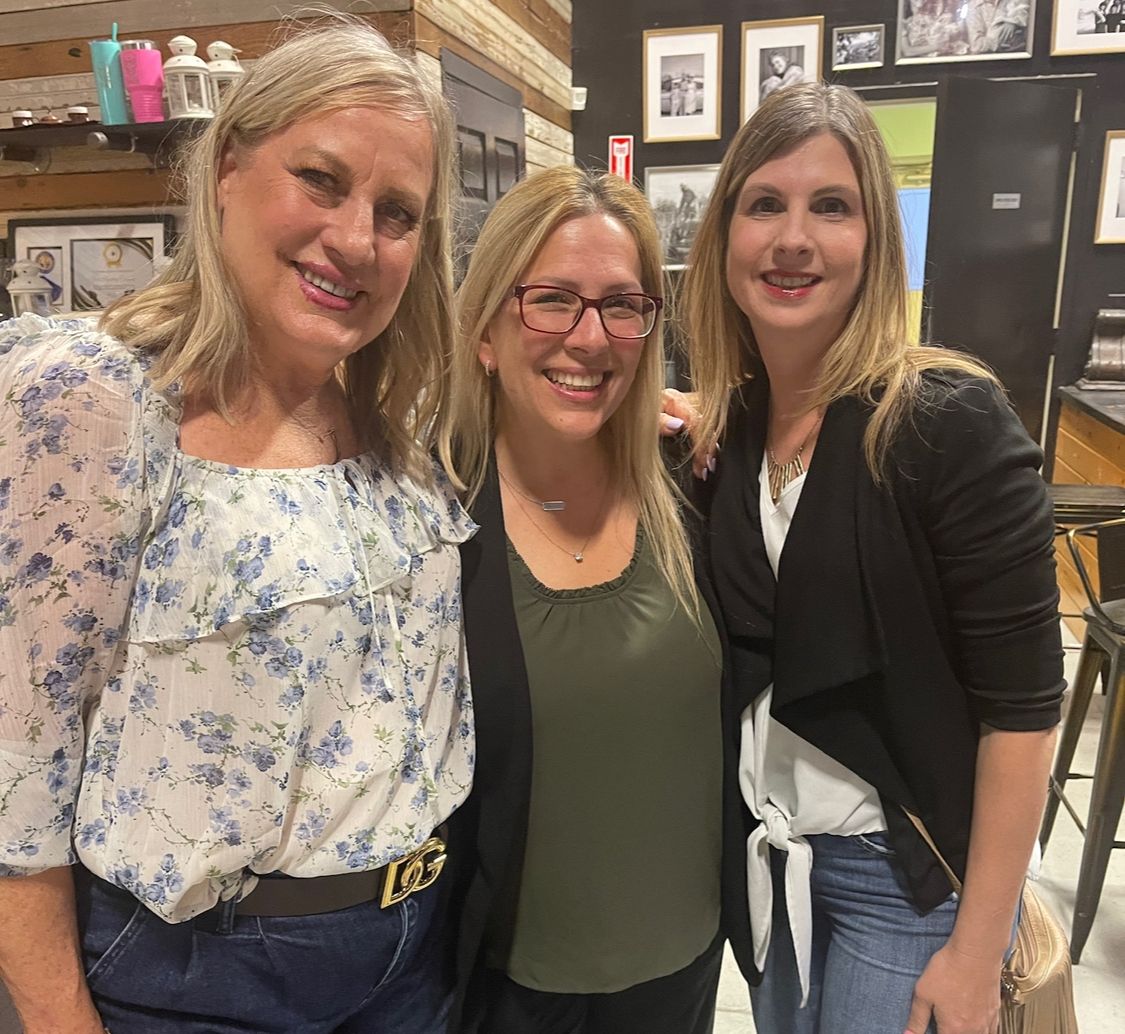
[608, 61]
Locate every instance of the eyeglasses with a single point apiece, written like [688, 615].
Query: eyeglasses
[555, 310]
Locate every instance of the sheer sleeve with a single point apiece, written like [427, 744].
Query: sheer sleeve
[986, 513]
[71, 485]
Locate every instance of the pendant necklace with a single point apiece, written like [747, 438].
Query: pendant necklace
[578, 556]
[548, 505]
[329, 435]
[780, 475]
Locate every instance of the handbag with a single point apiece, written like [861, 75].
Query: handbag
[1036, 983]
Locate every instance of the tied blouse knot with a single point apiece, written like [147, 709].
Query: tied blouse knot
[208, 672]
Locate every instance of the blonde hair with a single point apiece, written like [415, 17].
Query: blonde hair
[512, 236]
[871, 358]
[192, 314]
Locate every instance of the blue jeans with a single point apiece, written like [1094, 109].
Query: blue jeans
[361, 970]
[870, 943]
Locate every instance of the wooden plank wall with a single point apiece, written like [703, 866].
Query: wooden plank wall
[1086, 452]
[44, 62]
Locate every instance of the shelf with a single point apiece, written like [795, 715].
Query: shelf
[158, 140]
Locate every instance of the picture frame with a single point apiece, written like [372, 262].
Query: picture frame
[777, 52]
[858, 46]
[1110, 225]
[91, 261]
[679, 195]
[1087, 27]
[682, 83]
[931, 31]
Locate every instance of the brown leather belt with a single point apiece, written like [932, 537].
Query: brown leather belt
[278, 895]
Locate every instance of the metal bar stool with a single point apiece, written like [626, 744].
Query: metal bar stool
[1104, 641]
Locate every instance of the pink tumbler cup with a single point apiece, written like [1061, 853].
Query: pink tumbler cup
[143, 72]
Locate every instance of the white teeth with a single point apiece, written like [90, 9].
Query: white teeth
[575, 380]
[789, 282]
[327, 285]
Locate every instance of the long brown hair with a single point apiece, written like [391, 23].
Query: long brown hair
[872, 357]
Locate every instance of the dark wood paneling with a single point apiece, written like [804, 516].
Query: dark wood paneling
[128, 187]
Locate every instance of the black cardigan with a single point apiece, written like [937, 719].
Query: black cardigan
[487, 834]
[904, 617]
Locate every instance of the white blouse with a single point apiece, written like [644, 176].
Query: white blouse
[794, 788]
[209, 671]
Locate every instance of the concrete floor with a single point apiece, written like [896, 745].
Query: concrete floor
[1099, 986]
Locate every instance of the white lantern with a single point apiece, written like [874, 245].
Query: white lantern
[186, 82]
[28, 290]
[223, 70]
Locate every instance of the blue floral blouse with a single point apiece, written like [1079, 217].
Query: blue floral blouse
[204, 669]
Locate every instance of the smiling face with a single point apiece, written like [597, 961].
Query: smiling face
[796, 247]
[554, 386]
[320, 226]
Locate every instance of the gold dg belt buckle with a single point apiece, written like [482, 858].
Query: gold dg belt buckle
[413, 872]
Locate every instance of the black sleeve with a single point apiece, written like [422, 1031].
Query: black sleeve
[974, 475]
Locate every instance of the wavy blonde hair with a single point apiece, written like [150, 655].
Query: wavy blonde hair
[192, 314]
[872, 357]
[512, 236]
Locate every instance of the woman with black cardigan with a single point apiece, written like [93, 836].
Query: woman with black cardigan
[881, 544]
[588, 856]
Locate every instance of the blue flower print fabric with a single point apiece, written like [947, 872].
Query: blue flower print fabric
[209, 671]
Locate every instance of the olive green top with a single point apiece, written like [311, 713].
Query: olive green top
[621, 873]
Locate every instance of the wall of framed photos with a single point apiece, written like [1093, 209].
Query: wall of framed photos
[610, 54]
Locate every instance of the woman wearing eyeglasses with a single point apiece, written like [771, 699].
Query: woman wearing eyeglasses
[589, 851]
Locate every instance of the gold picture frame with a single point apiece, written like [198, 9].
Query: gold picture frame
[1109, 228]
[777, 52]
[1075, 30]
[682, 83]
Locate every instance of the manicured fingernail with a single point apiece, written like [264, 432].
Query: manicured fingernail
[673, 423]
[711, 464]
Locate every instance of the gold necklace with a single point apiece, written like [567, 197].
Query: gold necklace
[581, 554]
[548, 505]
[780, 475]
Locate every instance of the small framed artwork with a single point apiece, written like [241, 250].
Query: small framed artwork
[679, 195]
[776, 53]
[683, 70]
[857, 46]
[1111, 198]
[1088, 27]
[92, 261]
[968, 30]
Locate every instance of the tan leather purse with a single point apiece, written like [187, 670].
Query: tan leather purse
[1037, 987]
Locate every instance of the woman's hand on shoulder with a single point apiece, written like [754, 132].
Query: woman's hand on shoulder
[959, 992]
[680, 415]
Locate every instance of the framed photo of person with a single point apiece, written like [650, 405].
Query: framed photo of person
[1110, 227]
[963, 30]
[682, 85]
[776, 53]
[1088, 27]
[92, 261]
[857, 46]
[679, 195]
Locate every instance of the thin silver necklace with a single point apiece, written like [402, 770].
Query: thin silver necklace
[579, 556]
[548, 505]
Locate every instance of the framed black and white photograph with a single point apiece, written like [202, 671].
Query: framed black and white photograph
[963, 30]
[92, 261]
[1088, 27]
[857, 46]
[1111, 198]
[679, 195]
[776, 53]
[683, 83]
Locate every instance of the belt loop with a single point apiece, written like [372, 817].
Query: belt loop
[227, 912]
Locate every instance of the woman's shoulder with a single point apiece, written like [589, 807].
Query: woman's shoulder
[70, 352]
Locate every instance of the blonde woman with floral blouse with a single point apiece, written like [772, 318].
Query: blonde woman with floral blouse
[233, 691]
